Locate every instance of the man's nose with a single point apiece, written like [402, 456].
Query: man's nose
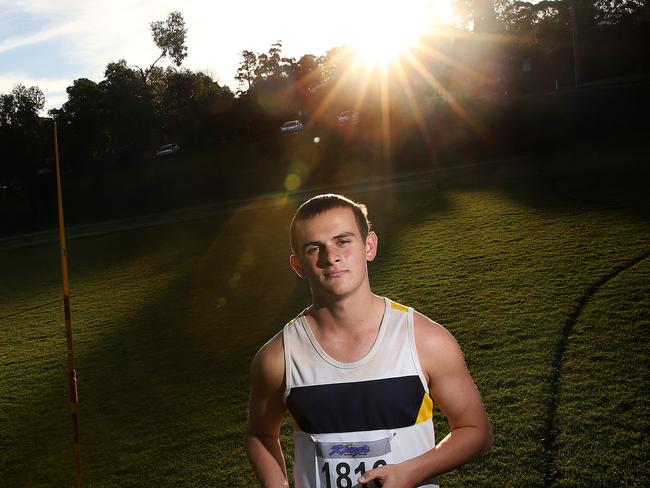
[330, 255]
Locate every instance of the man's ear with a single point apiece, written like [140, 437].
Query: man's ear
[297, 266]
[371, 246]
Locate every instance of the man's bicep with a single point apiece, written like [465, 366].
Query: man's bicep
[450, 383]
[265, 414]
[455, 393]
[266, 405]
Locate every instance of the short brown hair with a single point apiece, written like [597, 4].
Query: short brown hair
[329, 201]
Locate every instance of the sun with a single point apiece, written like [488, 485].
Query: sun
[381, 31]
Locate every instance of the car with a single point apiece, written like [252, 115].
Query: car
[11, 185]
[167, 149]
[291, 127]
[348, 117]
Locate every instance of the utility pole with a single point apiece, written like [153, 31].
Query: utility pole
[574, 42]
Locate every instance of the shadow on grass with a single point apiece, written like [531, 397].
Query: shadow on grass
[166, 322]
[180, 377]
[601, 177]
[163, 352]
[551, 444]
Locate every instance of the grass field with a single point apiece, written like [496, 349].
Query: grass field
[539, 270]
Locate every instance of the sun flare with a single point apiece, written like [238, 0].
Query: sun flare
[384, 30]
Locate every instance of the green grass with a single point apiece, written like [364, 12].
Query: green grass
[604, 404]
[166, 320]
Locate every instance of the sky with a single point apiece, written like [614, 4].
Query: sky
[51, 43]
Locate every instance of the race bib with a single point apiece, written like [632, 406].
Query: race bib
[340, 464]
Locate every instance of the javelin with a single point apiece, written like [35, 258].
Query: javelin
[72, 373]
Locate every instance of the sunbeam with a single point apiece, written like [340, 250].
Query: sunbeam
[444, 93]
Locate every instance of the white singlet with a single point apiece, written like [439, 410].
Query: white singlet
[352, 417]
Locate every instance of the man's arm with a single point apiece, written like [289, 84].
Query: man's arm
[265, 411]
[453, 390]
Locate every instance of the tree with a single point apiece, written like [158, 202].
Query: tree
[254, 68]
[621, 40]
[485, 17]
[247, 69]
[192, 106]
[463, 13]
[169, 35]
[307, 74]
[269, 64]
[489, 15]
[272, 65]
[615, 10]
[20, 108]
[84, 122]
[20, 134]
[25, 143]
[334, 63]
[129, 107]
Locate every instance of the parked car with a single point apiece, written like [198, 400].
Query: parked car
[348, 117]
[11, 185]
[167, 149]
[291, 127]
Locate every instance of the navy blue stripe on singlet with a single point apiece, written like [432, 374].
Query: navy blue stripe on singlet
[389, 403]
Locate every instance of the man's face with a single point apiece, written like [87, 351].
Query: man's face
[332, 254]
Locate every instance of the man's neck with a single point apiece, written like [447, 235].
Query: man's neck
[352, 312]
[346, 329]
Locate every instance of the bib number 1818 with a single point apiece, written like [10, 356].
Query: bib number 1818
[343, 474]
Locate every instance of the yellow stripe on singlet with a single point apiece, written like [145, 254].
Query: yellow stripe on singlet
[426, 409]
[397, 306]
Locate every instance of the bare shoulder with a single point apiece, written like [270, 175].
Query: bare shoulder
[438, 350]
[433, 337]
[267, 368]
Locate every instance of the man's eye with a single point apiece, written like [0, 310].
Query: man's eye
[342, 242]
[312, 250]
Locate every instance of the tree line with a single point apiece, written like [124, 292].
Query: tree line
[503, 47]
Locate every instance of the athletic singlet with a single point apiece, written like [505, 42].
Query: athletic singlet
[353, 417]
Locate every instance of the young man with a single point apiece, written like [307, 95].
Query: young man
[359, 373]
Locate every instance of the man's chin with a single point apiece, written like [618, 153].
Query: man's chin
[333, 293]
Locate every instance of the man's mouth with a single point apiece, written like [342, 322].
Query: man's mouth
[335, 274]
